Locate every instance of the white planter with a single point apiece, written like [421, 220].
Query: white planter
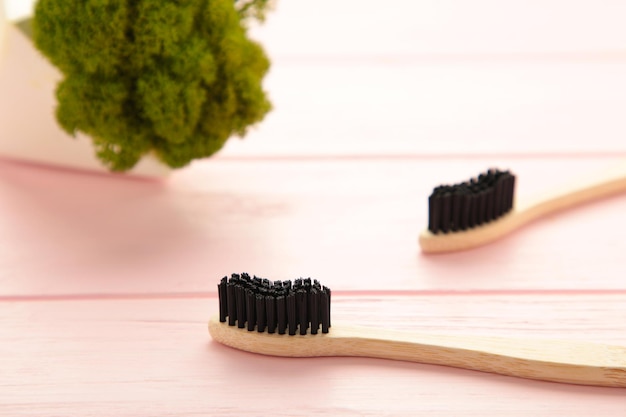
[28, 128]
[3, 29]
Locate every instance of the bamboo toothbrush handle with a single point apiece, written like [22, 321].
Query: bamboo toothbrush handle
[548, 360]
[603, 184]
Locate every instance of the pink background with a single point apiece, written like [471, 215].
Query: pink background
[107, 282]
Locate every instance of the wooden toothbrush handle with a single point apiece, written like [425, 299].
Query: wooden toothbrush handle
[541, 359]
[586, 189]
[548, 360]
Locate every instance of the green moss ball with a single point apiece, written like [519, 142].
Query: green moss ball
[176, 78]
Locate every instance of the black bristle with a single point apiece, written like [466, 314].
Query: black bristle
[473, 211]
[489, 205]
[434, 208]
[481, 205]
[281, 314]
[241, 306]
[503, 193]
[274, 306]
[270, 313]
[231, 301]
[221, 291]
[314, 314]
[292, 315]
[327, 290]
[303, 310]
[325, 309]
[260, 313]
[510, 190]
[497, 199]
[446, 212]
[251, 309]
[462, 206]
[465, 210]
[456, 211]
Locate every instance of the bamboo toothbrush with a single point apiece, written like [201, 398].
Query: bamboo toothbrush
[482, 210]
[285, 319]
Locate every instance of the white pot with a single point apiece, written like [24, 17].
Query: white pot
[28, 128]
[3, 29]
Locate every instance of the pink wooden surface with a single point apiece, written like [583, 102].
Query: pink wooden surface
[106, 283]
[153, 357]
[353, 222]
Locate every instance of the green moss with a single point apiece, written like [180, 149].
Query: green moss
[176, 78]
[26, 26]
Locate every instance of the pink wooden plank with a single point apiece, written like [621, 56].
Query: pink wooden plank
[138, 357]
[352, 223]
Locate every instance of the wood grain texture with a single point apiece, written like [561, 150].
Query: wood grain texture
[155, 357]
[552, 360]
